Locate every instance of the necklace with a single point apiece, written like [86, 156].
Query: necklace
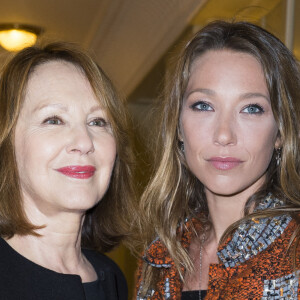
[200, 262]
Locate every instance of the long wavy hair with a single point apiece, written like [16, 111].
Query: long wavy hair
[106, 223]
[174, 193]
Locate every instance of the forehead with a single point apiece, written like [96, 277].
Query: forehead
[61, 82]
[228, 67]
[225, 57]
[55, 72]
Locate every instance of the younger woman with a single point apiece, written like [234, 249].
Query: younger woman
[223, 204]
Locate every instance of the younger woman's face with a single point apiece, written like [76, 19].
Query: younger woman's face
[227, 124]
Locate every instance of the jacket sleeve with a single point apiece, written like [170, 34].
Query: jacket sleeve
[139, 279]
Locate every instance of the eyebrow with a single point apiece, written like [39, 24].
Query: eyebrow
[200, 90]
[212, 93]
[52, 105]
[95, 108]
[63, 107]
[254, 95]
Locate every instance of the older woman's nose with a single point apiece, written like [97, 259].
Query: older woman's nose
[80, 141]
[225, 131]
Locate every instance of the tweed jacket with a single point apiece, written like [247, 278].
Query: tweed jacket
[254, 263]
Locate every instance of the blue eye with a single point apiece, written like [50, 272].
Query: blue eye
[253, 109]
[100, 122]
[54, 120]
[201, 106]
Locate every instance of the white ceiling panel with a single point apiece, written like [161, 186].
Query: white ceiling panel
[127, 37]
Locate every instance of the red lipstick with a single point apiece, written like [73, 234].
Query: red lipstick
[224, 163]
[80, 172]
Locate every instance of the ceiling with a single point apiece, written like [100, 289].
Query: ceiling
[126, 37]
[277, 16]
[250, 10]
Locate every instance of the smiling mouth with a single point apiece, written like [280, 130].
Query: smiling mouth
[79, 172]
[224, 163]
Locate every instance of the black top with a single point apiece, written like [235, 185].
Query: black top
[93, 290]
[22, 279]
[193, 295]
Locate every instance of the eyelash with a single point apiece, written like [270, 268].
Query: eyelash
[51, 121]
[194, 106]
[209, 108]
[104, 122]
[256, 106]
[52, 118]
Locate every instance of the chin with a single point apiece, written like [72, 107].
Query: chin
[225, 193]
[227, 190]
[82, 204]
[224, 190]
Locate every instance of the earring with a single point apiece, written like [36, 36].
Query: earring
[278, 156]
[181, 146]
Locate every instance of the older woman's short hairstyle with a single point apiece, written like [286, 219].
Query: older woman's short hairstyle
[106, 223]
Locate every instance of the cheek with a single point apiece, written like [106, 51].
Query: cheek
[34, 152]
[261, 137]
[23, 152]
[195, 134]
[106, 150]
[260, 146]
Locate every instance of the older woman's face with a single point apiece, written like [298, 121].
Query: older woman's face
[227, 125]
[65, 150]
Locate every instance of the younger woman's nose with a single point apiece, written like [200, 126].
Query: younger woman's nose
[225, 130]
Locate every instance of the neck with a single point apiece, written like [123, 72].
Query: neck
[225, 210]
[59, 245]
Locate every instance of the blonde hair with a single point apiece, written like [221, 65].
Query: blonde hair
[174, 193]
[106, 223]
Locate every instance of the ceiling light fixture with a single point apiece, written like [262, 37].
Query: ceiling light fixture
[15, 37]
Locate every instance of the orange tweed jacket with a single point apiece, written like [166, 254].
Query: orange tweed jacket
[253, 263]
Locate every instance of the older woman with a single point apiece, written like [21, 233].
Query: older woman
[225, 198]
[65, 177]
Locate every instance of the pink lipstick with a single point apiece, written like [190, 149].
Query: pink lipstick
[80, 172]
[224, 163]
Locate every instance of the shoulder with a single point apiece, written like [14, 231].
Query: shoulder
[102, 260]
[109, 272]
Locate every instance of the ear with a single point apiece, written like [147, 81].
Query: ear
[180, 138]
[278, 142]
[179, 134]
